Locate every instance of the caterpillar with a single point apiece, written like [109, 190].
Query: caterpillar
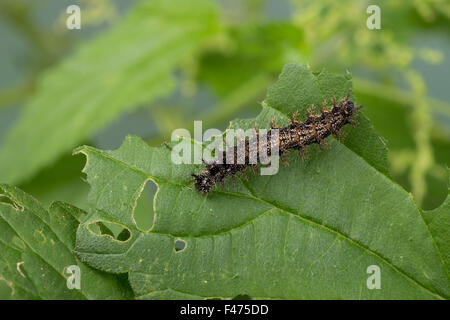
[295, 136]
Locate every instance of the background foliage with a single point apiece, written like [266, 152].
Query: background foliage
[148, 67]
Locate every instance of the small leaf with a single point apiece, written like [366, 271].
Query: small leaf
[37, 248]
[121, 69]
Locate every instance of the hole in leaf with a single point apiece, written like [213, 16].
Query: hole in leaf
[112, 229]
[5, 199]
[242, 297]
[144, 213]
[124, 235]
[179, 245]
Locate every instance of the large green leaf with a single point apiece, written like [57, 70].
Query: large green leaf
[36, 248]
[310, 231]
[124, 67]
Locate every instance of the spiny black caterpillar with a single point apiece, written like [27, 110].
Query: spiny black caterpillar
[297, 135]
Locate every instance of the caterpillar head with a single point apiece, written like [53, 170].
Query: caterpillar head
[347, 107]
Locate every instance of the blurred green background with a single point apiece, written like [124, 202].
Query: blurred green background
[148, 67]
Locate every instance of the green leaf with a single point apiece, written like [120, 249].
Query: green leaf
[309, 232]
[37, 248]
[128, 65]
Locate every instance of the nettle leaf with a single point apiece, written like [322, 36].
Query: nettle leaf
[129, 65]
[36, 248]
[309, 232]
